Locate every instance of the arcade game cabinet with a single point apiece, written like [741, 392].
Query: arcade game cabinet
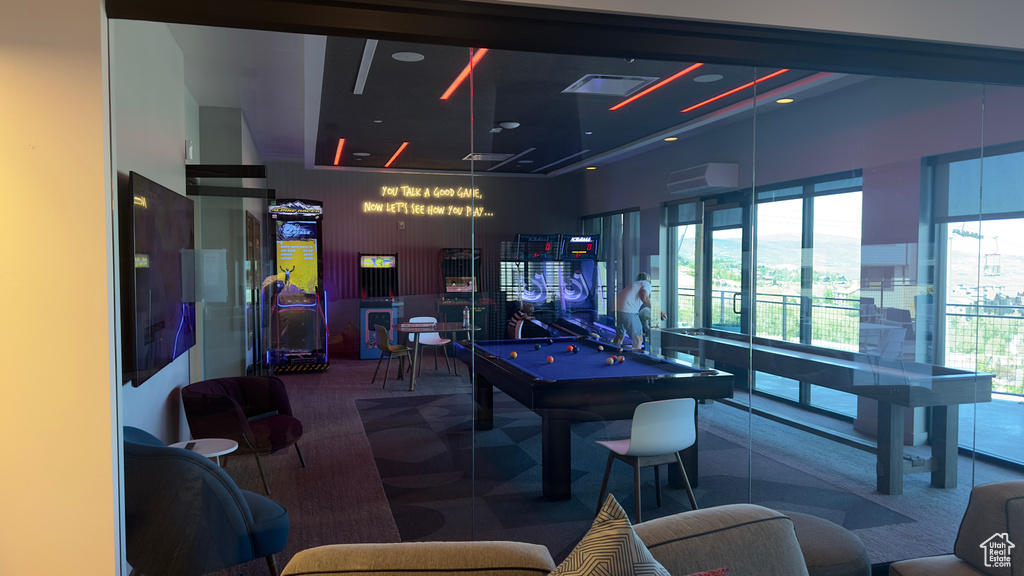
[460, 288]
[378, 301]
[583, 288]
[298, 314]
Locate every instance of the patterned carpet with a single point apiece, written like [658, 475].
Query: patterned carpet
[443, 482]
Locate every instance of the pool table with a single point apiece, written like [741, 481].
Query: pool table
[579, 387]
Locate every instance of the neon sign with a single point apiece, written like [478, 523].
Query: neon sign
[428, 201]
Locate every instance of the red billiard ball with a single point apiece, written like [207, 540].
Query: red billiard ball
[550, 359]
[513, 355]
[622, 359]
[610, 360]
[568, 348]
[600, 348]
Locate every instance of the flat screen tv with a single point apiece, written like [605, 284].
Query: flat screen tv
[157, 243]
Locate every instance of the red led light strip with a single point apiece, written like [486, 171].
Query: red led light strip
[656, 86]
[465, 72]
[397, 152]
[337, 155]
[735, 90]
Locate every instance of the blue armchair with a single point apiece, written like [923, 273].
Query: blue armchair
[184, 515]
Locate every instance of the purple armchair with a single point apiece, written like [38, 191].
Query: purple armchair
[251, 410]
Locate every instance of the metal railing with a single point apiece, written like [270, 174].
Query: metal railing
[982, 337]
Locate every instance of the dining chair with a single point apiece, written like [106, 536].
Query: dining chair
[659, 430]
[390, 351]
[430, 339]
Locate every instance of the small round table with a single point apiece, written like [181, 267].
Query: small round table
[209, 447]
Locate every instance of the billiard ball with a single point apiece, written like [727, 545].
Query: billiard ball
[610, 360]
[536, 346]
[568, 348]
[594, 335]
[600, 348]
[513, 355]
[550, 359]
[575, 349]
[550, 341]
[622, 359]
[620, 350]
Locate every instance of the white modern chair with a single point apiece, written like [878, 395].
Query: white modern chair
[660, 430]
[430, 339]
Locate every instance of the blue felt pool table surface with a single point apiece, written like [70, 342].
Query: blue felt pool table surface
[588, 363]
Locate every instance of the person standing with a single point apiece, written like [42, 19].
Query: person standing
[628, 304]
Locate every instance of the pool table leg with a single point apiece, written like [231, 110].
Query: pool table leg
[483, 416]
[890, 449]
[945, 442]
[556, 461]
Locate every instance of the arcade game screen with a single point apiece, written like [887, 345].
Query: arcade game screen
[296, 255]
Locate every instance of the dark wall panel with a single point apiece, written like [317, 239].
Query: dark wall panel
[528, 205]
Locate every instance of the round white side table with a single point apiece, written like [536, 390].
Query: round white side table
[210, 447]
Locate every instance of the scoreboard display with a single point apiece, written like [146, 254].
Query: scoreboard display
[580, 247]
[537, 246]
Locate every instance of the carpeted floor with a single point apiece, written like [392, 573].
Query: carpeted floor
[436, 474]
[439, 481]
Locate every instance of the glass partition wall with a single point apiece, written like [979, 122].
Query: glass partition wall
[821, 246]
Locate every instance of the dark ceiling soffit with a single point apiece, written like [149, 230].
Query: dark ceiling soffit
[461, 23]
[225, 171]
[230, 192]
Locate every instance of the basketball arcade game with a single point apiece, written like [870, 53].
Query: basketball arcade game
[298, 308]
[537, 255]
[584, 307]
[561, 275]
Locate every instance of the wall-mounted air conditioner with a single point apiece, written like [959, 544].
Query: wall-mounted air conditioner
[704, 179]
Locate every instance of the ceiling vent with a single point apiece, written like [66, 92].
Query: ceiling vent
[704, 179]
[487, 157]
[609, 85]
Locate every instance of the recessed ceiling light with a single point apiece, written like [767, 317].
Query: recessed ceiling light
[509, 125]
[407, 56]
[784, 101]
[360, 153]
[588, 132]
[377, 121]
[671, 139]
[495, 130]
[591, 167]
[704, 78]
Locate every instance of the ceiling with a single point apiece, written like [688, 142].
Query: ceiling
[299, 109]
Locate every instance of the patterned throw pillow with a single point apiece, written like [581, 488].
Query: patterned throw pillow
[719, 572]
[610, 548]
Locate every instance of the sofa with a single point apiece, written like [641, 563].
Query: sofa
[992, 527]
[747, 539]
